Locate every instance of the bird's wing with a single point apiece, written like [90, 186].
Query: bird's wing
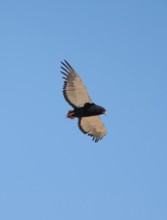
[93, 126]
[74, 90]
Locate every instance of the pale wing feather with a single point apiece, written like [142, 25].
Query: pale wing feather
[74, 90]
[93, 126]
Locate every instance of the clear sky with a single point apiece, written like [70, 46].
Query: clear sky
[48, 168]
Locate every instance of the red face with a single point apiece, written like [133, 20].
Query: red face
[103, 111]
[99, 110]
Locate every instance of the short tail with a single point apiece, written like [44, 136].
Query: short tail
[71, 114]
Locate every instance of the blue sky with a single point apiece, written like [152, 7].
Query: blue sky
[48, 168]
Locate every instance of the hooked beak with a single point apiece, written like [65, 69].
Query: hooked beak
[105, 113]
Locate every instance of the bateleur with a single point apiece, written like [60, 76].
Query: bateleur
[75, 93]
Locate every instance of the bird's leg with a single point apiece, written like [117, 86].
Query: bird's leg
[71, 114]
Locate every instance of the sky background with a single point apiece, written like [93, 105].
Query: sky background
[48, 168]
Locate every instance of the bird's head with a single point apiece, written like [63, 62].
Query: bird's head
[104, 112]
[101, 110]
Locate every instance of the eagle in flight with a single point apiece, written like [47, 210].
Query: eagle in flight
[87, 112]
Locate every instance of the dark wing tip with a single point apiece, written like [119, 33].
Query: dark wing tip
[66, 65]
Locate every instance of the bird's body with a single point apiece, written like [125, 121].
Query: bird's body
[85, 110]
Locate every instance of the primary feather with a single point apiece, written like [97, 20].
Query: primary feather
[74, 90]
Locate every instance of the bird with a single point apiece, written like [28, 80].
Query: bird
[87, 112]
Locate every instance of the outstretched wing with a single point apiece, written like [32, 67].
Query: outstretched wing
[74, 90]
[92, 126]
